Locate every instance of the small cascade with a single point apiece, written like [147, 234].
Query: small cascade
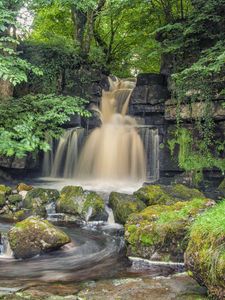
[61, 161]
[111, 219]
[5, 250]
[150, 138]
[89, 213]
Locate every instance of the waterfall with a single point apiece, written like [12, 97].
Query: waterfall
[119, 149]
[61, 161]
[5, 250]
[115, 150]
[150, 138]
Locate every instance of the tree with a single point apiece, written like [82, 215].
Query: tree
[13, 69]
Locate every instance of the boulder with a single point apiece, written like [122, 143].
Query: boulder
[160, 231]
[166, 195]
[37, 198]
[23, 187]
[34, 236]
[123, 205]
[205, 254]
[75, 201]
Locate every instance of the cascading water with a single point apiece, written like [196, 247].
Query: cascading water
[115, 150]
[120, 150]
[62, 160]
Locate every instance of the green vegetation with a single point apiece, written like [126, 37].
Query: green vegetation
[123, 205]
[205, 255]
[162, 229]
[32, 120]
[166, 195]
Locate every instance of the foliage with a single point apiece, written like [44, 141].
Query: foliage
[194, 157]
[205, 255]
[196, 48]
[31, 120]
[12, 67]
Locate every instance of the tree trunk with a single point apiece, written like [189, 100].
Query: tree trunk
[6, 89]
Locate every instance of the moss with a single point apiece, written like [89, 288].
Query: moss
[74, 200]
[162, 228]
[14, 199]
[93, 200]
[205, 255]
[123, 205]
[34, 236]
[166, 195]
[2, 200]
[5, 190]
[181, 191]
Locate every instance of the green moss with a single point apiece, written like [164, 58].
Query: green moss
[205, 255]
[183, 192]
[2, 200]
[14, 199]
[5, 190]
[166, 195]
[93, 200]
[162, 228]
[33, 236]
[123, 205]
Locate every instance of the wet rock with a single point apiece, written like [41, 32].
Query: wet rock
[23, 187]
[35, 236]
[37, 198]
[221, 187]
[205, 254]
[166, 195]
[161, 231]
[123, 205]
[88, 205]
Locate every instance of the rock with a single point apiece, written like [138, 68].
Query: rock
[123, 205]
[160, 230]
[34, 236]
[37, 198]
[14, 199]
[205, 254]
[23, 187]
[5, 190]
[221, 187]
[2, 200]
[166, 195]
[74, 200]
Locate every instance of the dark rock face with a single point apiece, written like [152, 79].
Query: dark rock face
[34, 236]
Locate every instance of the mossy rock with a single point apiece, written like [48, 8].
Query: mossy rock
[123, 205]
[5, 190]
[75, 201]
[35, 236]
[15, 199]
[2, 200]
[161, 230]
[205, 254]
[23, 187]
[37, 198]
[221, 187]
[166, 195]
